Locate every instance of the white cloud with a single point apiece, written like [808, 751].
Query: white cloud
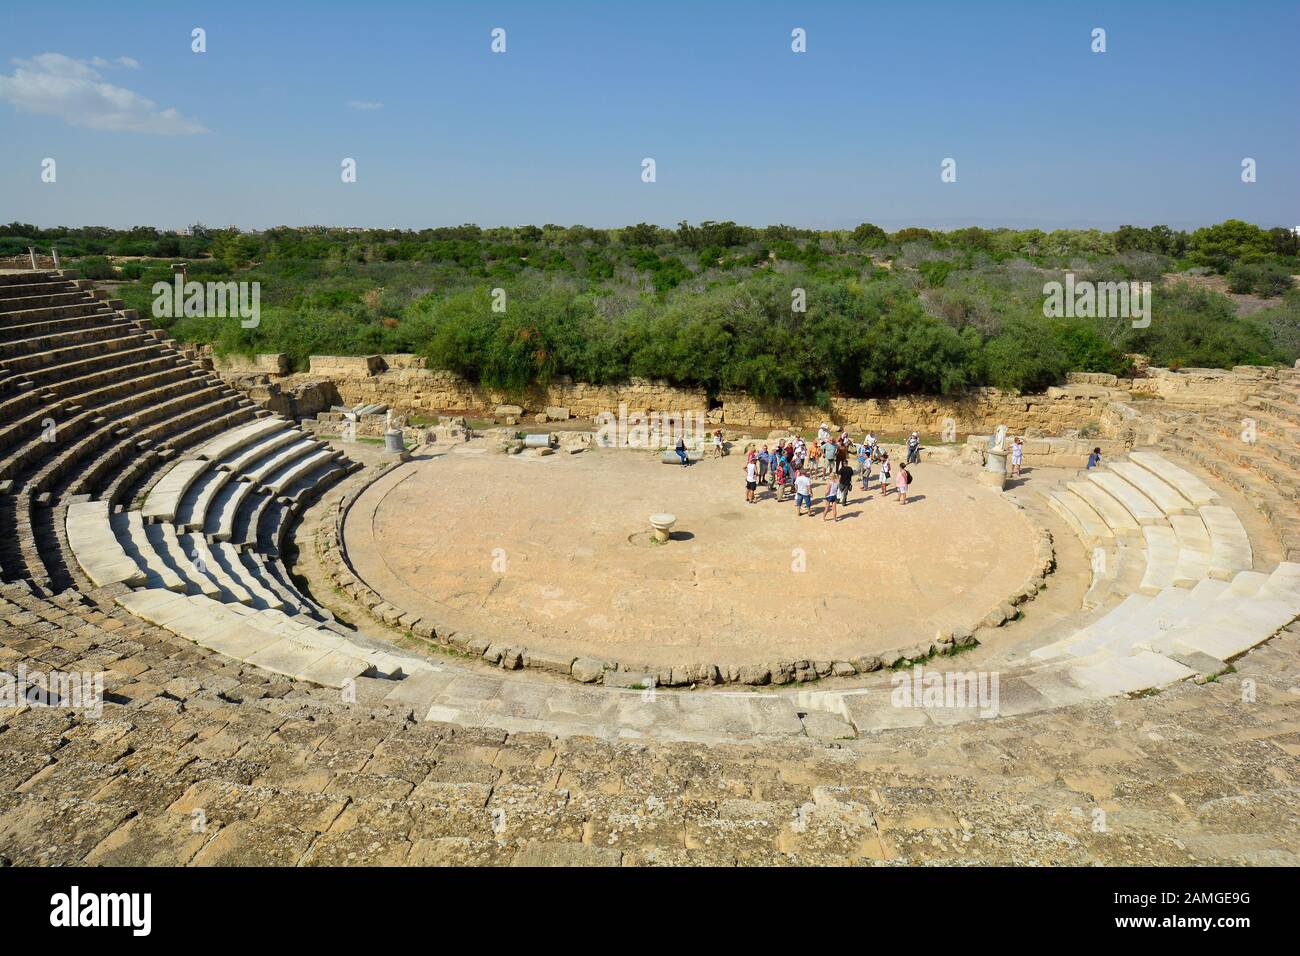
[129, 62]
[365, 105]
[52, 84]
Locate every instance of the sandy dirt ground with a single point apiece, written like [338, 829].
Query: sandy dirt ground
[552, 552]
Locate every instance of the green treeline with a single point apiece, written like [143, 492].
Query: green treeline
[717, 305]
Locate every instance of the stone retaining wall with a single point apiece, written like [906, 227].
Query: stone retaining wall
[401, 382]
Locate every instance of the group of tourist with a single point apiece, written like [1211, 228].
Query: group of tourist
[793, 466]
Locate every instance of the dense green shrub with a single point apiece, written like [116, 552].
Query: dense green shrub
[715, 305]
[95, 267]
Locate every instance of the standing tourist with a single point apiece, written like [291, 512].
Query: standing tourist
[864, 464]
[718, 448]
[846, 481]
[1017, 456]
[815, 458]
[913, 448]
[764, 463]
[751, 480]
[884, 474]
[778, 475]
[828, 511]
[803, 494]
[904, 480]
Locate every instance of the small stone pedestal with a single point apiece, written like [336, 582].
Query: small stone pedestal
[663, 526]
[994, 474]
[394, 443]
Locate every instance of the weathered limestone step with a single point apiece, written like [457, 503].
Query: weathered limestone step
[129, 528]
[96, 548]
[1081, 517]
[205, 562]
[1163, 495]
[169, 548]
[1162, 559]
[1143, 510]
[164, 500]
[228, 558]
[262, 446]
[1086, 640]
[1121, 523]
[238, 438]
[1230, 549]
[248, 638]
[1283, 583]
[1193, 549]
[1130, 675]
[291, 473]
[1170, 609]
[280, 459]
[219, 523]
[193, 512]
[1229, 634]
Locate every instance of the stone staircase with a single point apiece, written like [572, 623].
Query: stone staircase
[110, 427]
[1252, 448]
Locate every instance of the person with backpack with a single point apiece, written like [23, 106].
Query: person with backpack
[913, 449]
[904, 481]
[751, 480]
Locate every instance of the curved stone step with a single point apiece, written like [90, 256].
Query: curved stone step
[1230, 549]
[1187, 484]
[1121, 523]
[205, 562]
[260, 448]
[96, 548]
[219, 522]
[170, 549]
[129, 528]
[275, 644]
[282, 479]
[1162, 559]
[164, 500]
[239, 438]
[1163, 495]
[281, 458]
[228, 559]
[1081, 517]
[1130, 675]
[1139, 506]
[1193, 549]
[192, 514]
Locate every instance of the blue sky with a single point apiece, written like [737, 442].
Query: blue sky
[1045, 132]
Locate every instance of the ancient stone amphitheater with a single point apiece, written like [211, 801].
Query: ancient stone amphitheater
[145, 513]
